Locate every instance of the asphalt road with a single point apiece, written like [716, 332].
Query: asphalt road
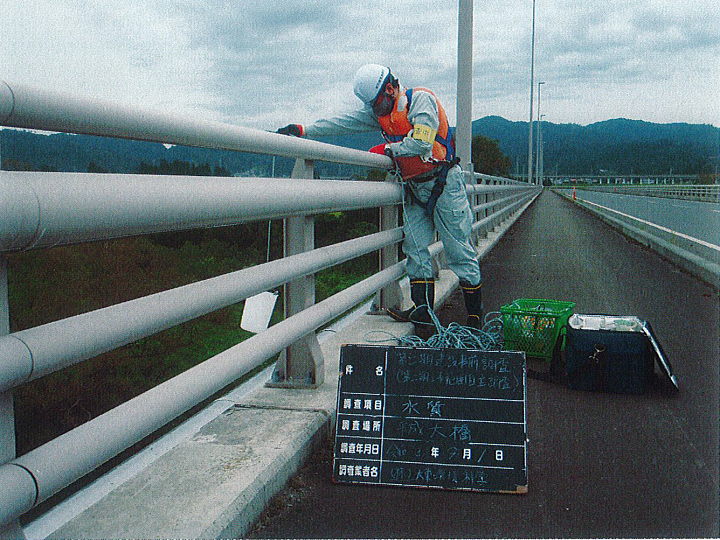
[599, 465]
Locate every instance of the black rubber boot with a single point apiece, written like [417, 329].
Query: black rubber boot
[473, 304]
[422, 293]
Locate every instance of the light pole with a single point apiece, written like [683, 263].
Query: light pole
[532, 84]
[541, 152]
[463, 136]
[537, 157]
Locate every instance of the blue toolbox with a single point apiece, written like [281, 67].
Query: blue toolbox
[609, 353]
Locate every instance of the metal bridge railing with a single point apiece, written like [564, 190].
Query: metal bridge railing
[43, 210]
[696, 192]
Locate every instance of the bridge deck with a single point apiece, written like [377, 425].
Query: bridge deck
[600, 465]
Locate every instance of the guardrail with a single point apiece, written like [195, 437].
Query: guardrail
[706, 193]
[697, 256]
[606, 179]
[43, 210]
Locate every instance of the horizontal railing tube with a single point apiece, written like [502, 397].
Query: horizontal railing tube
[26, 107]
[38, 351]
[16, 362]
[48, 209]
[76, 453]
[498, 202]
[498, 180]
[480, 224]
[485, 188]
[17, 481]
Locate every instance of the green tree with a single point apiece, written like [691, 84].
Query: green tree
[487, 157]
[376, 175]
[15, 165]
[220, 170]
[95, 168]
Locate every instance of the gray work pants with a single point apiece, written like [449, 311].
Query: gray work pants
[453, 221]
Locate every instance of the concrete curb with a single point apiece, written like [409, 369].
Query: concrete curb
[218, 483]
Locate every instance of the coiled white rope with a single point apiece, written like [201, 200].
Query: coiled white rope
[454, 336]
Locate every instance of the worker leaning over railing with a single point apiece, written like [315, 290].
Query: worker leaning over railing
[418, 137]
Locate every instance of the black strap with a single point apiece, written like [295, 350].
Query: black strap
[438, 187]
[557, 372]
[414, 197]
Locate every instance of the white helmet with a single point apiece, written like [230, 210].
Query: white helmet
[369, 81]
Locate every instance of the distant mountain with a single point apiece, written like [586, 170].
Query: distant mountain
[74, 153]
[620, 146]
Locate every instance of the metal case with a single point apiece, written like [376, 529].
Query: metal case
[608, 353]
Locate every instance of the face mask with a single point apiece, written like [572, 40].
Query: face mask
[383, 105]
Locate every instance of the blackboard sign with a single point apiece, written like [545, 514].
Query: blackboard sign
[440, 418]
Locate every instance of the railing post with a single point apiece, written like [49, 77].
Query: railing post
[7, 408]
[301, 365]
[488, 197]
[496, 196]
[7, 421]
[478, 215]
[491, 197]
[473, 201]
[389, 296]
[7, 414]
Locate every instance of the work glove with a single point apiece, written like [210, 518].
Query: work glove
[381, 149]
[295, 130]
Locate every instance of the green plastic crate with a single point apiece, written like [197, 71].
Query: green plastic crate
[533, 325]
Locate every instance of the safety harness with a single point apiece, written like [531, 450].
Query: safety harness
[438, 174]
[437, 189]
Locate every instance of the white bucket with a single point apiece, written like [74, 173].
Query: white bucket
[257, 311]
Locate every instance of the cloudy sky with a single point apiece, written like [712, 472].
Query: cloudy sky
[265, 63]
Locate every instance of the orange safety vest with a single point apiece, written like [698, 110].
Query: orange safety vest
[396, 126]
